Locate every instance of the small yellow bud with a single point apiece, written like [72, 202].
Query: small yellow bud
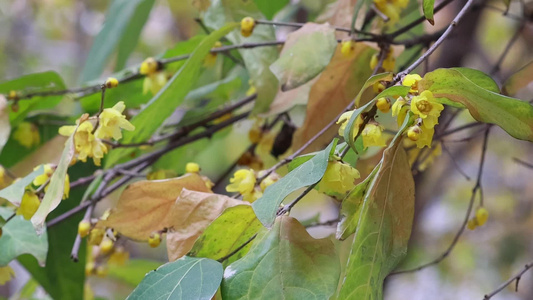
[482, 215]
[106, 245]
[13, 95]
[378, 87]
[95, 236]
[255, 134]
[101, 271]
[247, 26]
[192, 167]
[154, 240]
[374, 61]
[84, 227]
[347, 47]
[111, 82]
[383, 105]
[413, 133]
[472, 224]
[89, 268]
[148, 66]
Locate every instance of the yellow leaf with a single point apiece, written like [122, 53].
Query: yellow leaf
[146, 206]
[193, 212]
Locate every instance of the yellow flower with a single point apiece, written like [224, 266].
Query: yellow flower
[154, 82]
[84, 227]
[425, 137]
[345, 118]
[270, 180]
[400, 109]
[412, 81]
[338, 179]
[372, 136]
[243, 181]
[45, 177]
[119, 257]
[149, 66]
[96, 236]
[427, 108]
[251, 197]
[112, 121]
[383, 104]
[6, 274]
[85, 143]
[389, 62]
[29, 205]
[374, 60]
[391, 8]
[27, 135]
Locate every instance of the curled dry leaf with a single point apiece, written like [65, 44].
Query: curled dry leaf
[191, 214]
[147, 206]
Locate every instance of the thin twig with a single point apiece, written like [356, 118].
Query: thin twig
[238, 249]
[518, 160]
[475, 189]
[455, 163]
[511, 42]
[287, 208]
[516, 278]
[434, 47]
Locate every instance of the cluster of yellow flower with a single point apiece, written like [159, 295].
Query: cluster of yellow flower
[481, 217]
[244, 182]
[391, 8]
[88, 141]
[424, 106]
[155, 78]
[426, 109]
[30, 200]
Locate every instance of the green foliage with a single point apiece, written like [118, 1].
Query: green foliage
[120, 29]
[56, 187]
[19, 238]
[257, 60]
[133, 271]
[185, 278]
[427, 7]
[33, 83]
[270, 7]
[171, 96]
[512, 115]
[285, 262]
[384, 220]
[14, 192]
[518, 80]
[306, 174]
[312, 42]
[238, 224]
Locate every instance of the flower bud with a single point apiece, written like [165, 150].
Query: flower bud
[84, 227]
[111, 82]
[154, 240]
[383, 104]
[192, 167]
[247, 26]
[347, 47]
[413, 133]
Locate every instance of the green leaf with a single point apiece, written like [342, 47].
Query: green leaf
[225, 234]
[182, 48]
[479, 78]
[257, 60]
[56, 187]
[131, 34]
[19, 238]
[163, 104]
[133, 271]
[427, 7]
[383, 226]
[32, 83]
[119, 22]
[511, 114]
[186, 278]
[311, 43]
[349, 136]
[14, 192]
[518, 80]
[284, 263]
[350, 208]
[306, 174]
[63, 278]
[270, 7]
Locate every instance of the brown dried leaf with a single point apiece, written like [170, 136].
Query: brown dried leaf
[191, 214]
[147, 206]
[338, 84]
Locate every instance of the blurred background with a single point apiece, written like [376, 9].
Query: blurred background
[43, 35]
